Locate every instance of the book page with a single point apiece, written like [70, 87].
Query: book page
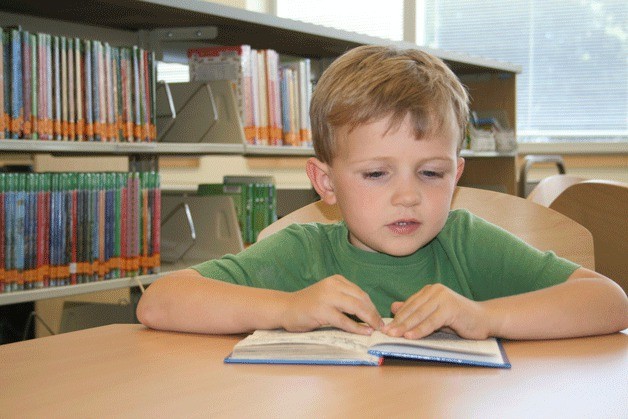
[326, 336]
[439, 340]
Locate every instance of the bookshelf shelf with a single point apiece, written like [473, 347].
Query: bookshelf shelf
[285, 151]
[123, 149]
[70, 290]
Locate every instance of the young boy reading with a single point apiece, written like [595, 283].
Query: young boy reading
[387, 127]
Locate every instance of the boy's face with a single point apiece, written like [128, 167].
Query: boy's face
[393, 190]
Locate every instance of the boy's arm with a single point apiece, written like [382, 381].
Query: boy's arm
[188, 302]
[586, 304]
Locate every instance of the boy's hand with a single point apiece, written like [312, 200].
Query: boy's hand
[329, 303]
[435, 307]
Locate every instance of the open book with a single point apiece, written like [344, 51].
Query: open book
[330, 346]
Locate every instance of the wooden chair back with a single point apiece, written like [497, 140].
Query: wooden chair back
[602, 207]
[539, 226]
[548, 189]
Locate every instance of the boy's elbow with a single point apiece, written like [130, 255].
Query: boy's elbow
[149, 313]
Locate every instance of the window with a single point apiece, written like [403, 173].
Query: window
[574, 83]
[383, 19]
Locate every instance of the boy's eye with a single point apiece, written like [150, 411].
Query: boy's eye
[432, 174]
[373, 175]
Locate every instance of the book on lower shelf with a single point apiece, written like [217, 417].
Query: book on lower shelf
[331, 346]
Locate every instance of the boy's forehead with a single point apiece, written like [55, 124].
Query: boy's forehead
[444, 128]
[353, 139]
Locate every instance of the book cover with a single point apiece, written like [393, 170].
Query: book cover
[331, 346]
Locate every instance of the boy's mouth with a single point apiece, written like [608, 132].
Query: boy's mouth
[403, 227]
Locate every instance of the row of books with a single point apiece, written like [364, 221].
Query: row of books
[273, 97]
[254, 198]
[71, 228]
[71, 89]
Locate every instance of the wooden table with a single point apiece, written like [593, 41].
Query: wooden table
[131, 371]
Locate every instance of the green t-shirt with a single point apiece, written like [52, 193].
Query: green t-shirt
[470, 255]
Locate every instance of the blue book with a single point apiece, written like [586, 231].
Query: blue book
[17, 103]
[330, 346]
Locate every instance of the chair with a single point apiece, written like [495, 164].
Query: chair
[528, 161]
[539, 226]
[546, 191]
[602, 207]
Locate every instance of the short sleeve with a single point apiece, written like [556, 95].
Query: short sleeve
[280, 261]
[497, 263]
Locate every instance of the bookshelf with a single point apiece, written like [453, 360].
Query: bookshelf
[171, 27]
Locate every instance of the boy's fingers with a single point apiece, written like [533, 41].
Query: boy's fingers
[359, 303]
[428, 326]
[364, 310]
[411, 315]
[341, 321]
[394, 307]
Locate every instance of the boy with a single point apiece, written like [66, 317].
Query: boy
[387, 128]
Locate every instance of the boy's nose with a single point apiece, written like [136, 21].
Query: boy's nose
[406, 194]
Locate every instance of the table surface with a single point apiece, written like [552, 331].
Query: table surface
[130, 371]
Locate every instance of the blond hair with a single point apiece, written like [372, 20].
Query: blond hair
[371, 82]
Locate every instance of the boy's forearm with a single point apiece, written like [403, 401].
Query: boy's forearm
[578, 307]
[185, 301]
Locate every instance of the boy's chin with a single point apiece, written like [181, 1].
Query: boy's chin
[404, 247]
[402, 253]
[399, 251]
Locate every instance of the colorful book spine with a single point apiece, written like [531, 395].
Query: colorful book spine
[56, 88]
[79, 72]
[117, 226]
[63, 50]
[3, 81]
[17, 103]
[34, 91]
[102, 90]
[72, 247]
[41, 87]
[156, 217]
[30, 227]
[26, 84]
[81, 210]
[137, 115]
[46, 268]
[3, 229]
[49, 103]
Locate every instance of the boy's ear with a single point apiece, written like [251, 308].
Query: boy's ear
[459, 168]
[319, 174]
